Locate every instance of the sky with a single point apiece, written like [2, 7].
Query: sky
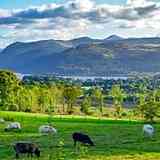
[32, 20]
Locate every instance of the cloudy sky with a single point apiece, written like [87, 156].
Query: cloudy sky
[29, 20]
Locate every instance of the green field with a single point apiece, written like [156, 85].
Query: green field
[114, 139]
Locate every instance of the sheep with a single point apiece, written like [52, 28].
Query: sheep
[26, 148]
[13, 126]
[148, 130]
[47, 129]
[80, 137]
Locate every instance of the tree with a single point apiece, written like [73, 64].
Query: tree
[71, 93]
[9, 85]
[86, 104]
[150, 110]
[45, 99]
[62, 97]
[118, 96]
[98, 95]
[27, 99]
[20, 99]
[56, 96]
[156, 94]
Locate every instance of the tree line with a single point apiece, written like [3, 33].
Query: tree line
[67, 98]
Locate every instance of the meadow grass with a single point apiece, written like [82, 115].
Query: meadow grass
[114, 139]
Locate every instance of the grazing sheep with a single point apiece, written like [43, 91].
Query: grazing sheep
[13, 126]
[2, 120]
[47, 129]
[148, 130]
[26, 148]
[80, 137]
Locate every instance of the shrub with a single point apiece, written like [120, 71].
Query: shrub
[149, 110]
[124, 114]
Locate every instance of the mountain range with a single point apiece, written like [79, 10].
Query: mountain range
[84, 56]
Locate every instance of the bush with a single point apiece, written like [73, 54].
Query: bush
[124, 114]
[149, 110]
[106, 115]
[27, 110]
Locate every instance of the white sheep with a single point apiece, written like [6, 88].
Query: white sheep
[13, 126]
[47, 129]
[148, 130]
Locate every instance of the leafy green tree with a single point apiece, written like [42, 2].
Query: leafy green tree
[56, 96]
[118, 96]
[20, 99]
[9, 85]
[62, 97]
[156, 94]
[98, 96]
[26, 99]
[71, 93]
[142, 98]
[44, 99]
[86, 104]
[150, 110]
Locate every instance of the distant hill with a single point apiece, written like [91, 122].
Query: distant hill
[84, 56]
[113, 38]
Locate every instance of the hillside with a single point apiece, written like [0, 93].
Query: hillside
[84, 56]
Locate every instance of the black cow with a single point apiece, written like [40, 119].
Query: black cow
[80, 137]
[26, 148]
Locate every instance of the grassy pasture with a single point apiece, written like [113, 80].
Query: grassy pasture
[114, 139]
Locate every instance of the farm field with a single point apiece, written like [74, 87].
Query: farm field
[114, 139]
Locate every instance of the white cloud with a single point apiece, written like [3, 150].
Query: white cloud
[4, 13]
[139, 3]
[82, 5]
[63, 29]
[80, 18]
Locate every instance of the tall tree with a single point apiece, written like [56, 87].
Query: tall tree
[98, 96]
[86, 104]
[71, 93]
[118, 95]
[9, 85]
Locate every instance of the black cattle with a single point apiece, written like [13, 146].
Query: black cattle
[80, 137]
[26, 148]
